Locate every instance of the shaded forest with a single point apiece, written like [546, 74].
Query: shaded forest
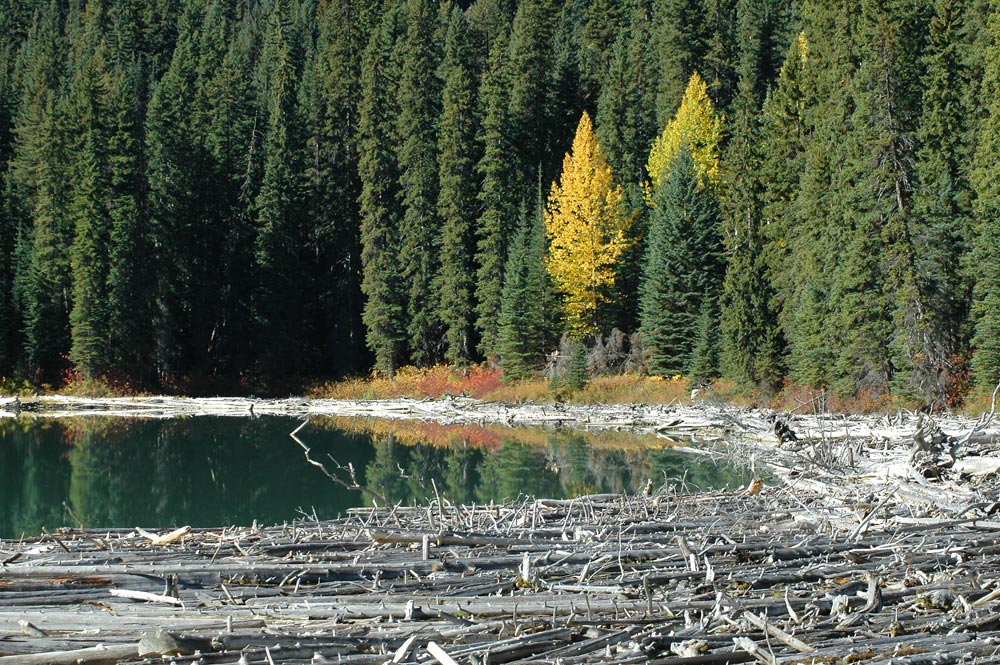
[243, 195]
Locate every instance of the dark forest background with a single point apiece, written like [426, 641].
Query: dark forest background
[223, 194]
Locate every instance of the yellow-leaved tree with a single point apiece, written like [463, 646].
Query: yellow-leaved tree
[696, 124]
[586, 225]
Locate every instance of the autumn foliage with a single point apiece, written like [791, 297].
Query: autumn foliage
[586, 225]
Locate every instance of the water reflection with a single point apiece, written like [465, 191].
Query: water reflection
[205, 471]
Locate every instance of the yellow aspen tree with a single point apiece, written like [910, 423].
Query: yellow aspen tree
[696, 124]
[586, 226]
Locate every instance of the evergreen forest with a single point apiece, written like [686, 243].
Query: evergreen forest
[255, 194]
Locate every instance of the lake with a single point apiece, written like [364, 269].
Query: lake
[216, 471]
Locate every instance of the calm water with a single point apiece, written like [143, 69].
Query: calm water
[219, 471]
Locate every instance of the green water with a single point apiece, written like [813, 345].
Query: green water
[209, 471]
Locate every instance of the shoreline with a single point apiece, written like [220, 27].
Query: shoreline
[850, 552]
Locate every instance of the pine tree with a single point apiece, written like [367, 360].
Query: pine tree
[586, 227]
[385, 308]
[420, 226]
[683, 266]
[457, 204]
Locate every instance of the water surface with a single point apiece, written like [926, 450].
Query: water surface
[215, 471]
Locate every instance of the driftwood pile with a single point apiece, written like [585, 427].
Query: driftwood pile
[765, 574]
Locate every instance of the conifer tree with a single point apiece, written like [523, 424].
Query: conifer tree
[942, 198]
[530, 65]
[175, 173]
[129, 297]
[879, 306]
[331, 93]
[457, 199]
[521, 335]
[496, 170]
[420, 226]
[695, 124]
[39, 168]
[280, 231]
[87, 111]
[683, 266]
[385, 308]
[986, 252]
[680, 40]
[751, 347]
[813, 227]
[586, 226]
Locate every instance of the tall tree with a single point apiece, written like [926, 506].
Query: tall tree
[280, 227]
[522, 335]
[176, 172]
[420, 226]
[87, 116]
[331, 108]
[681, 37]
[457, 205]
[385, 307]
[880, 307]
[942, 200]
[586, 226]
[751, 342]
[530, 65]
[683, 267]
[39, 169]
[986, 297]
[496, 170]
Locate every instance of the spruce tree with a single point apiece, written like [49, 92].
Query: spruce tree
[331, 106]
[40, 171]
[176, 172]
[879, 306]
[385, 308]
[942, 200]
[813, 228]
[530, 65]
[457, 204]
[420, 226]
[683, 266]
[680, 38]
[751, 344]
[523, 334]
[129, 306]
[496, 170]
[280, 233]
[986, 210]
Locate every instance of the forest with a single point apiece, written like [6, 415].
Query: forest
[246, 195]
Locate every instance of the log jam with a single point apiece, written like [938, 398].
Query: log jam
[775, 573]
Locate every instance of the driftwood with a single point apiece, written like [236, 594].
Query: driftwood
[782, 575]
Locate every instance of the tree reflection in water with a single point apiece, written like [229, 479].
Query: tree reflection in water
[211, 471]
